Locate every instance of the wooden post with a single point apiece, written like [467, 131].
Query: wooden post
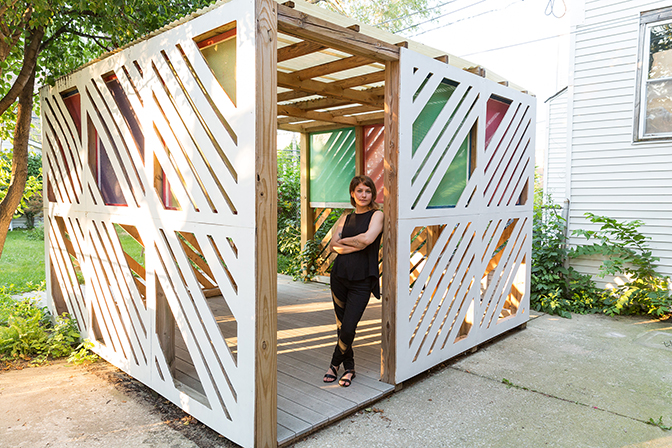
[360, 167]
[165, 327]
[55, 290]
[390, 225]
[266, 361]
[307, 213]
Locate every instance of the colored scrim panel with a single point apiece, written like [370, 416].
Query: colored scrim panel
[495, 113]
[332, 165]
[73, 103]
[220, 54]
[107, 180]
[374, 146]
[454, 180]
[430, 112]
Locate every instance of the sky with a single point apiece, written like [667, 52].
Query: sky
[515, 39]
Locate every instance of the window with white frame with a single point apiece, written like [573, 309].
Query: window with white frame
[653, 119]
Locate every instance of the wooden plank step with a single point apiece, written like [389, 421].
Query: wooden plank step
[293, 423]
[359, 391]
[285, 434]
[372, 376]
[313, 397]
[299, 410]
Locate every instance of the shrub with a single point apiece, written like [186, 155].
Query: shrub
[625, 251]
[27, 330]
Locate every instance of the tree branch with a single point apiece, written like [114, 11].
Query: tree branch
[6, 6]
[54, 36]
[7, 35]
[27, 70]
[17, 183]
[90, 36]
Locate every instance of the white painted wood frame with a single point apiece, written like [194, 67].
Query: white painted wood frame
[205, 145]
[469, 273]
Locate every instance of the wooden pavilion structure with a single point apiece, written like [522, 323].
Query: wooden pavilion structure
[161, 203]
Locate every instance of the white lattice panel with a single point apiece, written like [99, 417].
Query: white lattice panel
[463, 268]
[203, 143]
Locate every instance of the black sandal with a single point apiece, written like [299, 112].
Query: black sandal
[345, 382]
[330, 377]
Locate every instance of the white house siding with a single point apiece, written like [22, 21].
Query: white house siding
[611, 175]
[555, 172]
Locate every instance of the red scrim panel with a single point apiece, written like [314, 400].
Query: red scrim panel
[374, 144]
[494, 115]
[74, 105]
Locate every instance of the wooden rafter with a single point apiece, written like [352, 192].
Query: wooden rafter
[355, 120]
[328, 34]
[345, 111]
[347, 83]
[328, 68]
[353, 110]
[290, 81]
[298, 49]
[315, 126]
[321, 103]
[314, 115]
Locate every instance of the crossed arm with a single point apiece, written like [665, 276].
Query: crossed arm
[356, 243]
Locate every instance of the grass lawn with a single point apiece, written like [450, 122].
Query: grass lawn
[22, 260]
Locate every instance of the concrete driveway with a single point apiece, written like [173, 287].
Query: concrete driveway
[589, 381]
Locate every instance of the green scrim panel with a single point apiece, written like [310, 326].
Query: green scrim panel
[332, 165]
[428, 115]
[454, 181]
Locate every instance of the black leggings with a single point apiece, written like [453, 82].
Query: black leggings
[350, 299]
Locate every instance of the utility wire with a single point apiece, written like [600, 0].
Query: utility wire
[394, 19]
[443, 15]
[550, 9]
[456, 21]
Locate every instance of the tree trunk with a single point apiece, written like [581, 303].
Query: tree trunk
[27, 73]
[17, 183]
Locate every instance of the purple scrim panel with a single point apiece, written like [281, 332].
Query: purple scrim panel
[107, 180]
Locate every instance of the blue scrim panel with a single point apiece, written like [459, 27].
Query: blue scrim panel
[332, 165]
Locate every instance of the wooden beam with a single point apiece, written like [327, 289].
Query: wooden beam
[298, 49]
[355, 81]
[328, 68]
[328, 89]
[334, 36]
[359, 150]
[390, 222]
[165, 326]
[476, 70]
[301, 128]
[321, 103]
[353, 110]
[313, 115]
[307, 213]
[361, 80]
[266, 197]
[368, 119]
[292, 95]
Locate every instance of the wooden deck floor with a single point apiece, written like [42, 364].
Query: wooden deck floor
[306, 339]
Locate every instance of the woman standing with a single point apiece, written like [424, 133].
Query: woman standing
[354, 276]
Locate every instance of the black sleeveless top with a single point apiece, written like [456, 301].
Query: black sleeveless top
[362, 264]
